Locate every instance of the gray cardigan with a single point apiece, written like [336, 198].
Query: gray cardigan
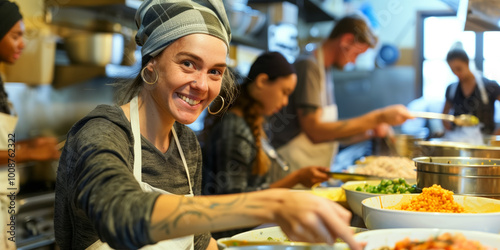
[97, 196]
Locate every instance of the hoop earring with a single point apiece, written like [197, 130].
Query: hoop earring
[144, 79]
[218, 111]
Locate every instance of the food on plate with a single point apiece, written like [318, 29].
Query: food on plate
[389, 167]
[332, 193]
[386, 186]
[434, 199]
[445, 241]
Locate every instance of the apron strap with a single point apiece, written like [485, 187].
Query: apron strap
[322, 75]
[136, 131]
[183, 159]
[482, 90]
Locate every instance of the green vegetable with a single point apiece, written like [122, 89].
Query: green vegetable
[386, 186]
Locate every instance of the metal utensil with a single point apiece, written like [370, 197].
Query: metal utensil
[345, 177]
[461, 120]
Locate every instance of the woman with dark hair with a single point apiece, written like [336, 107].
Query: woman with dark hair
[238, 156]
[473, 93]
[128, 172]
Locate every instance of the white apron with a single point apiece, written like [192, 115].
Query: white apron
[7, 125]
[184, 243]
[300, 151]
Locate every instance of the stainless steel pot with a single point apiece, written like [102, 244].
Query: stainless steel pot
[462, 175]
[443, 148]
[95, 48]
[405, 144]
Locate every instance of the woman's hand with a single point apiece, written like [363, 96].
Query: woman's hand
[306, 217]
[311, 175]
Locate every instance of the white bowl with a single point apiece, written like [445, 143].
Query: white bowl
[389, 237]
[485, 214]
[278, 235]
[354, 198]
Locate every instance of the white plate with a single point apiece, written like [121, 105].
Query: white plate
[277, 235]
[389, 237]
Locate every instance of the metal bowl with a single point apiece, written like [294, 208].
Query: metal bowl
[444, 148]
[462, 175]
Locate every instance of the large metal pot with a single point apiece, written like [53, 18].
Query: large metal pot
[462, 175]
[405, 144]
[95, 48]
[444, 148]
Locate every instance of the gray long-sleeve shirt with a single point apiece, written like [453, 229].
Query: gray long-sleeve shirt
[97, 196]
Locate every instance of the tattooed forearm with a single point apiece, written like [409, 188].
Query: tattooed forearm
[227, 205]
[203, 210]
[198, 214]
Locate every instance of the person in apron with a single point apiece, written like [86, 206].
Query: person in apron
[11, 47]
[238, 156]
[128, 172]
[306, 131]
[472, 94]
[11, 148]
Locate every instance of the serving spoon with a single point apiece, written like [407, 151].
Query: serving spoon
[460, 120]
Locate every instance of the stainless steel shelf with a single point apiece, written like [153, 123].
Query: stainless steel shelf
[309, 10]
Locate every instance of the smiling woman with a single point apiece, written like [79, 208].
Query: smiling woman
[128, 172]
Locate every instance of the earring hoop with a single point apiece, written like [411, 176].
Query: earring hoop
[144, 79]
[218, 111]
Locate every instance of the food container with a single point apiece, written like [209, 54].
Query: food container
[481, 214]
[462, 175]
[273, 238]
[354, 198]
[446, 148]
[376, 239]
[405, 144]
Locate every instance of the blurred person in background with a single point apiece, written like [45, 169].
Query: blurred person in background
[130, 174]
[306, 132]
[473, 93]
[237, 154]
[42, 148]
[11, 47]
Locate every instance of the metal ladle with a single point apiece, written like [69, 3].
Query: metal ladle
[461, 120]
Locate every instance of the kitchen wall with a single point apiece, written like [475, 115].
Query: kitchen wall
[44, 110]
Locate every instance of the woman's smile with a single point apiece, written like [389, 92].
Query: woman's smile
[193, 101]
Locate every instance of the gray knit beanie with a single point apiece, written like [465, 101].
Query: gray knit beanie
[161, 22]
